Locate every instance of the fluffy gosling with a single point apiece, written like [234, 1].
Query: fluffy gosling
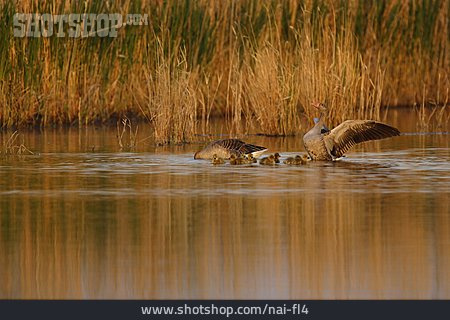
[217, 160]
[236, 160]
[298, 160]
[277, 157]
[270, 160]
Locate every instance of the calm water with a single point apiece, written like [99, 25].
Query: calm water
[81, 219]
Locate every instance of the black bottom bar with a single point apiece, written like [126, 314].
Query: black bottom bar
[224, 309]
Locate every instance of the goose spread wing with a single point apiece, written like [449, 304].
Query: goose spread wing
[351, 132]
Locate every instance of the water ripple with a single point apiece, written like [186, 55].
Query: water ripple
[395, 171]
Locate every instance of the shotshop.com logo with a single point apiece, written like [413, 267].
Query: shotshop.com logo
[74, 25]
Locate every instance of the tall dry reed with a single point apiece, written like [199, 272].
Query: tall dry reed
[11, 146]
[258, 64]
[167, 97]
[272, 93]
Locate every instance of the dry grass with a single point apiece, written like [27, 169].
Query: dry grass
[272, 93]
[433, 116]
[126, 135]
[167, 96]
[12, 147]
[258, 64]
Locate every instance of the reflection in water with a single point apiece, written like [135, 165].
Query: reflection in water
[157, 224]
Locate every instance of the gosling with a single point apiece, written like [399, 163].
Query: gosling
[291, 160]
[250, 159]
[270, 160]
[237, 160]
[298, 160]
[217, 160]
[277, 157]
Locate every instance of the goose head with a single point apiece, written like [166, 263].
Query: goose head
[320, 106]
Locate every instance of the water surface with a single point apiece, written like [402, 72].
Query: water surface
[82, 219]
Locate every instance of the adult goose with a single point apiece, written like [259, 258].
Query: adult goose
[333, 144]
[225, 148]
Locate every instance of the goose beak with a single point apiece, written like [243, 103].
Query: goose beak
[315, 104]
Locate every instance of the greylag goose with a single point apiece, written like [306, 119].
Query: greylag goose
[324, 127]
[225, 148]
[333, 144]
[217, 160]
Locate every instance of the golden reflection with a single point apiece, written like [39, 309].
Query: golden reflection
[304, 246]
[80, 224]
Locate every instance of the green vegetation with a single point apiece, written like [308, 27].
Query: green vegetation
[258, 64]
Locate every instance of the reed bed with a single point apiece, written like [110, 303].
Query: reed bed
[257, 64]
